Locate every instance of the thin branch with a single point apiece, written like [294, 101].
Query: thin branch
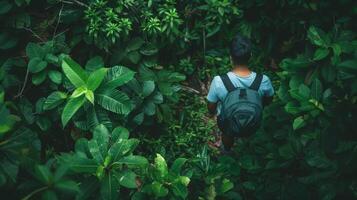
[35, 192]
[23, 85]
[35, 34]
[189, 89]
[59, 19]
[75, 2]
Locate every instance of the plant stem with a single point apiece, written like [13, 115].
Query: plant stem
[35, 192]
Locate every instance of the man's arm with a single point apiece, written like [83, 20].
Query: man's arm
[212, 97]
[212, 108]
[268, 91]
[267, 100]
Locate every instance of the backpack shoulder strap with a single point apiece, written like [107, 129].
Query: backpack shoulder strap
[257, 81]
[227, 83]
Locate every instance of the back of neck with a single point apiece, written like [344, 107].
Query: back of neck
[241, 70]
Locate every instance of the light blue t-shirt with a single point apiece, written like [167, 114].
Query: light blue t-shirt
[218, 92]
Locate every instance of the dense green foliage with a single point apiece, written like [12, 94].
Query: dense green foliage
[76, 76]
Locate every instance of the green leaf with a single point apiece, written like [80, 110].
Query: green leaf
[39, 78]
[72, 106]
[337, 50]
[158, 98]
[94, 63]
[328, 73]
[225, 186]
[35, 51]
[295, 64]
[148, 88]
[43, 123]
[183, 180]
[55, 76]
[127, 179]
[67, 186]
[150, 108]
[36, 65]
[90, 96]
[348, 65]
[177, 165]
[78, 163]
[135, 44]
[160, 167]
[118, 76]
[114, 101]
[119, 133]
[298, 123]
[101, 136]
[316, 89]
[79, 92]
[133, 160]
[159, 190]
[109, 189]
[122, 148]
[48, 195]
[94, 149]
[139, 118]
[165, 88]
[96, 115]
[60, 172]
[147, 74]
[96, 78]
[149, 50]
[43, 174]
[304, 91]
[74, 72]
[170, 77]
[54, 99]
[52, 59]
[292, 108]
[320, 54]
[179, 190]
[318, 37]
[134, 57]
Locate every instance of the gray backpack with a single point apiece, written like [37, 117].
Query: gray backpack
[242, 108]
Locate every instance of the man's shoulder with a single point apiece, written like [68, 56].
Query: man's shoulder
[217, 79]
[217, 82]
[265, 79]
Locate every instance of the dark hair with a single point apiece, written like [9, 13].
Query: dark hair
[240, 50]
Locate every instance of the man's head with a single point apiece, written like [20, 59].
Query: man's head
[240, 50]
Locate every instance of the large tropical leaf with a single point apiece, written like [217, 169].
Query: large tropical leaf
[110, 187]
[94, 149]
[77, 163]
[97, 115]
[101, 136]
[96, 78]
[133, 160]
[114, 101]
[127, 179]
[74, 72]
[122, 148]
[118, 76]
[71, 108]
[119, 133]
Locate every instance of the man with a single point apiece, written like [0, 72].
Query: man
[243, 79]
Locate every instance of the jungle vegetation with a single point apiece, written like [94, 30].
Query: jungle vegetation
[105, 99]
